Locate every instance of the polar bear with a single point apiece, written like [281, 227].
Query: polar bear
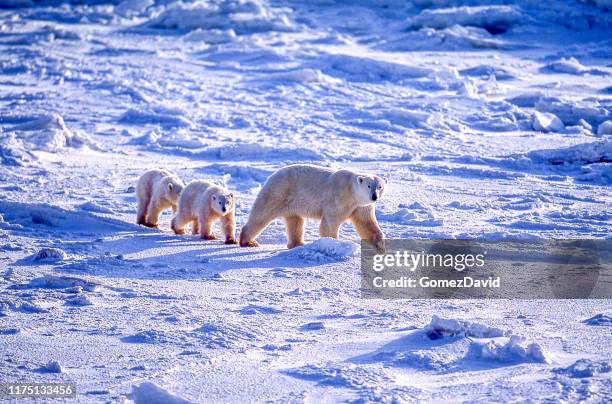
[201, 203]
[156, 190]
[302, 191]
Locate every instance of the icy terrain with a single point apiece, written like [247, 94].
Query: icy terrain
[490, 119]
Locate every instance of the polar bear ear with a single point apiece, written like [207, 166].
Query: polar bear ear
[170, 186]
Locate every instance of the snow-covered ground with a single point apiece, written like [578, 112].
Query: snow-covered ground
[490, 119]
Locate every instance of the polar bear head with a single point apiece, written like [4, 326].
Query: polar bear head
[172, 188]
[368, 189]
[222, 202]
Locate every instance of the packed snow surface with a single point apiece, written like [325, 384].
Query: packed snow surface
[489, 119]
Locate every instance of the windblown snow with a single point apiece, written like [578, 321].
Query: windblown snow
[490, 119]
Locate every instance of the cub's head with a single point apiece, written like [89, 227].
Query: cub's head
[222, 202]
[368, 189]
[173, 187]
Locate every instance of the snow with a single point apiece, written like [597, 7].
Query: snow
[489, 119]
[150, 393]
[246, 16]
[49, 254]
[517, 349]
[53, 366]
[605, 128]
[547, 122]
[440, 327]
[572, 66]
[599, 319]
[583, 368]
[323, 250]
[495, 19]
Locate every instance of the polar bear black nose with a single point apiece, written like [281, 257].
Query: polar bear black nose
[374, 197]
[224, 209]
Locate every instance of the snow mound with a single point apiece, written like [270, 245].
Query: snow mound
[323, 250]
[211, 36]
[49, 254]
[441, 327]
[302, 76]
[216, 336]
[599, 319]
[150, 393]
[243, 16]
[572, 66]
[584, 153]
[516, 350]
[605, 128]
[50, 133]
[365, 69]
[133, 8]
[495, 19]
[546, 122]
[26, 215]
[80, 300]
[30, 307]
[49, 281]
[256, 151]
[13, 152]
[151, 337]
[238, 173]
[571, 112]
[586, 368]
[52, 366]
[156, 115]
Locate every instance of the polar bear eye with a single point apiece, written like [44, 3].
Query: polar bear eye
[368, 187]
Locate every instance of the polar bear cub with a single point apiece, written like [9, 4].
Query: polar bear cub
[301, 191]
[157, 190]
[201, 203]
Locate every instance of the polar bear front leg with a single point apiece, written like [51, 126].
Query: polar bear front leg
[195, 229]
[364, 220]
[295, 231]
[154, 211]
[178, 224]
[205, 223]
[228, 223]
[255, 225]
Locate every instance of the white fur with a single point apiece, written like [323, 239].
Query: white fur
[156, 191]
[304, 191]
[201, 203]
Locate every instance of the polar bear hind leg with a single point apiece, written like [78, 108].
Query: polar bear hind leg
[295, 231]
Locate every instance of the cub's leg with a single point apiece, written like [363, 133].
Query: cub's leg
[141, 216]
[364, 220]
[154, 211]
[205, 223]
[295, 231]
[178, 223]
[228, 224]
[195, 229]
[144, 197]
[258, 220]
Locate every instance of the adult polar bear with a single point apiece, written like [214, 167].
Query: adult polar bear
[303, 191]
